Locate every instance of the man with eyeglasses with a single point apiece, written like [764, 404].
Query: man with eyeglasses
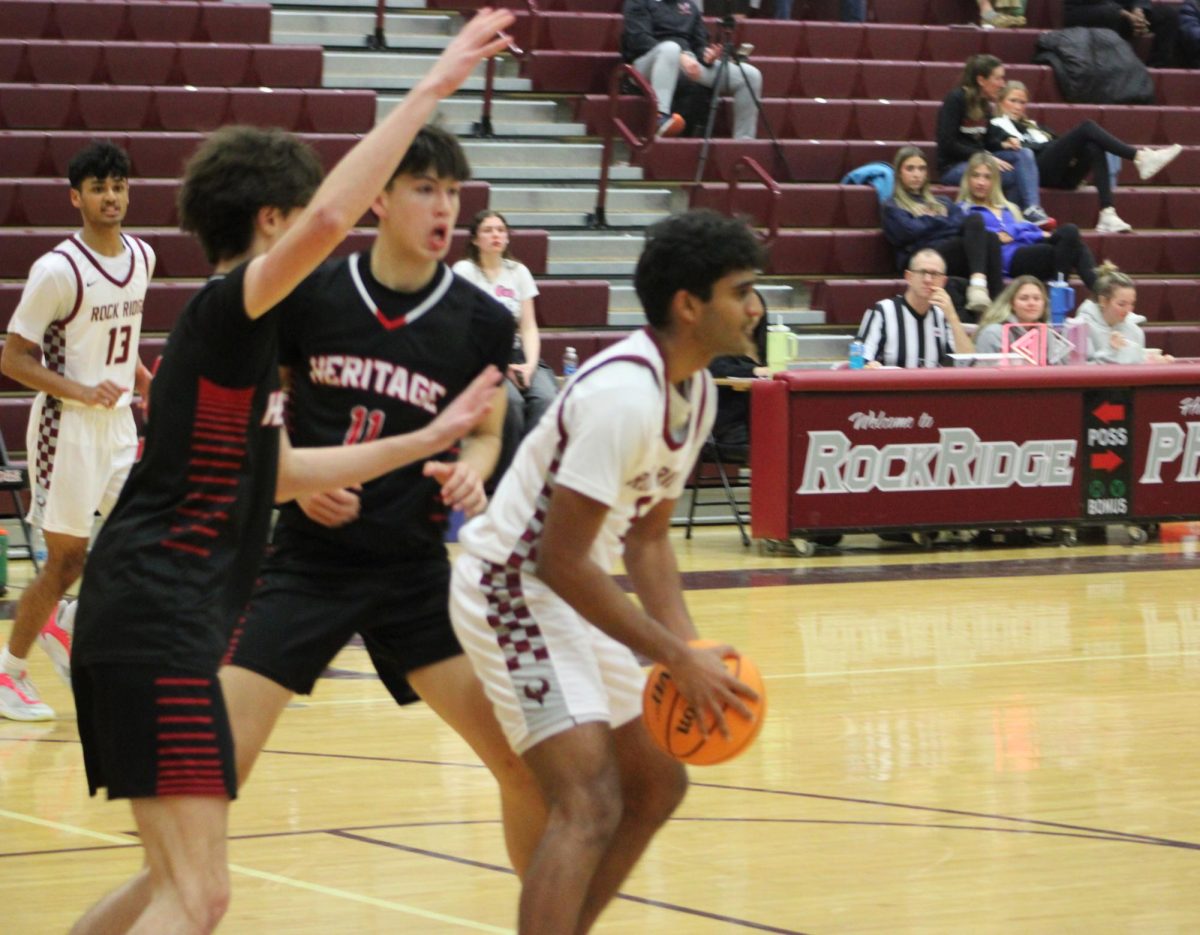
[919, 327]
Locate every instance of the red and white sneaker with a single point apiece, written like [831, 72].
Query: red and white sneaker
[19, 700]
[55, 638]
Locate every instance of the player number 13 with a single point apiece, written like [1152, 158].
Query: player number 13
[119, 339]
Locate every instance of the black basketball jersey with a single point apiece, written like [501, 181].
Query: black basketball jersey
[176, 560]
[367, 362]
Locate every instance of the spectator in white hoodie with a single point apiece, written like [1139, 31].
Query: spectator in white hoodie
[1115, 335]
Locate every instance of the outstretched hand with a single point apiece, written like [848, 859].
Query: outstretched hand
[479, 39]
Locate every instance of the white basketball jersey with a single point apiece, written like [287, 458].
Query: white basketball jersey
[86, 311]
[617, 433]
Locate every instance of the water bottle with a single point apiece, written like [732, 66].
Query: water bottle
[1062, 301]
[856, 355]
[38, 546]
[570, 362]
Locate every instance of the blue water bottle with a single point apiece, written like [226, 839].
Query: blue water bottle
[1062, 301]
[856, 355]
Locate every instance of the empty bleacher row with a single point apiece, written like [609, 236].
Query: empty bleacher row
[138, 20]
[202, 64]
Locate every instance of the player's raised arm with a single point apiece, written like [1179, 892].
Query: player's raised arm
[348, 190]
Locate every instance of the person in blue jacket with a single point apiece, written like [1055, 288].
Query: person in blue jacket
[914, 218]
[1024, 248]
[1189, 34]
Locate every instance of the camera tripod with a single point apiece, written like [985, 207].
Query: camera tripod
[731, 57]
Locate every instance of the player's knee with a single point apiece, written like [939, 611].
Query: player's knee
[592, 809]
[205, 903]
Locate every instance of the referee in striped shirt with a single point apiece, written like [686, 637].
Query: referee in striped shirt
[918, 328]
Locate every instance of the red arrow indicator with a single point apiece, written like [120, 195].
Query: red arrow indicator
[1106, 461]
[1109, 412]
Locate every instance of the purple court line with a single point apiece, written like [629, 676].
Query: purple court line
[1142, 838]
[687, 910]
[920, 571]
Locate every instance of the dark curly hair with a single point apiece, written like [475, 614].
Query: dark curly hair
[100, 160]
[691, 251]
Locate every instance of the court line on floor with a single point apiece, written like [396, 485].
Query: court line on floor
[997, 663]
[798, 575]
[268, 877]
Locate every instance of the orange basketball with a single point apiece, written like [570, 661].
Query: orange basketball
[672, 721]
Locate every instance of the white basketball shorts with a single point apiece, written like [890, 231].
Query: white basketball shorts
[79, 458]
[544, 668]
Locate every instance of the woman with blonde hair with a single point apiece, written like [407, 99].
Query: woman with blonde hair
[1115, 335]
[1065, 161]
[1024, 301]
[1024, 248]
[914, 219]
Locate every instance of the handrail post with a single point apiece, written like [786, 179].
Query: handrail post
[484, 127]
[774, 195]
[598, 219]
[377, 41]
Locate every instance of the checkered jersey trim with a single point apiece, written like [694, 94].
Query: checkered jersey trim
[54, 352]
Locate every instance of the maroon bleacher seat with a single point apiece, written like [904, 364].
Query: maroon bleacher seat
[774, 38]
[329, 110]
[149, 63]
[45, 107]
[564, 72]
[286, 66]
[902, 11]
[97, 20]
[1014, 46]
[161, 155]
[103, 107]
[818, 120]
[1179, 341]
[885, 120]
[595, 32]
[26, 19]
[14, 62]
[165, 21]
[267, 107]
[893, 81]
[14, 417]
[834, 40]
[215, 64]
[23, 153]
[572, 303]
[191, 108]
[954, 45]
[235, 22]
[10, 208]
[844, 300]
[827, 78]
[54, 62]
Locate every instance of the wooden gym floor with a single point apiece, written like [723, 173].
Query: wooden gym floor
[961, 740]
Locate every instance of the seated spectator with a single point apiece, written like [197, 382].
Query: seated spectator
[732, 426]
[490, 266]
[1024, 247]
[1024, 301]
[962, 127]
[915, 218]
[1132, 19]
[1189, 34]
[1001, 14]
[661, 40]
[1115, 335]
[919, 327]
[1065, 161]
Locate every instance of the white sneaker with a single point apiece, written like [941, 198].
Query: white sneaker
[978, 300]
[55, 639]
[20, 701]
[1111, 223]
[1150, 162]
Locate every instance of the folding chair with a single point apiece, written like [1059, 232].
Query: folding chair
[714, 455]
[14, 480]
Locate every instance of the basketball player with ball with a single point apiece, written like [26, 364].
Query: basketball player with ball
[549, 632]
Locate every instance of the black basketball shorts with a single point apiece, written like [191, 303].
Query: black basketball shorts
[149, 733]
[299, 618]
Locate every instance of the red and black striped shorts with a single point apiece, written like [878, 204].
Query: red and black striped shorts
[147, 733]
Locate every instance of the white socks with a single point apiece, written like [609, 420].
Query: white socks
[10, 664]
